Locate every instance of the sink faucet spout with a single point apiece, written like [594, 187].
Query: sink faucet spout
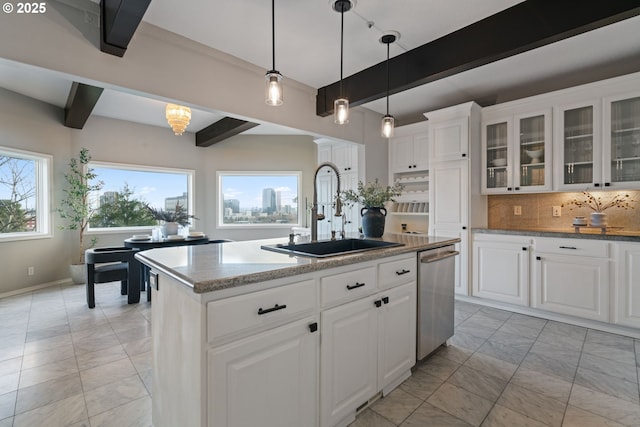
[314, 208]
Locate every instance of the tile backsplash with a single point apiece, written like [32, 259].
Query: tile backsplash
[537, 209]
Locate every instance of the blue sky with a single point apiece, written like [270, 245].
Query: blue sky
[248, 188]
[152, 187]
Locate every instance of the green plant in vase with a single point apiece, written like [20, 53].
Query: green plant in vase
[372, 196]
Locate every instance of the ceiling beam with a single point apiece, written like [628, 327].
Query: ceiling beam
[119, 20]
[525, 26]
[82, 98]
[221, 130]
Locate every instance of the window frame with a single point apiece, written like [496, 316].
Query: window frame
[190, 173]
[220, 206]
[43, 182]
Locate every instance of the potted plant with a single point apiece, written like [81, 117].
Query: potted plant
[171, 219]
[372, 196]
[598, 206]
[76, 209]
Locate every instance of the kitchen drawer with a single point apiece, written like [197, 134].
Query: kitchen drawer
[347, 286]
[580, 247]
[397, 272]
[246, 314]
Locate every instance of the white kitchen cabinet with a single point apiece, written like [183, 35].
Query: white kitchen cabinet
[621, 141]
[409, 153]
[345, 156]
[455, 202]
[516, 153]
[348, 359]
[368, 345]
[627, 302]
[578, 145]
[449, 139]
[572, 277]
[501, 268]
[269, 379]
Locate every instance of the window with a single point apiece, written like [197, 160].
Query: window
[128, 189]
[24, 194]
[258, 199]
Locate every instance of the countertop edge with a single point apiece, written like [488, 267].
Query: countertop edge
[216, 284]
[561, 234]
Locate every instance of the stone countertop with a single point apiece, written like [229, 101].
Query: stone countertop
[208, 268]
[568, 232]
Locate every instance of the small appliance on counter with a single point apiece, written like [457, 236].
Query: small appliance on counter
[580, 220]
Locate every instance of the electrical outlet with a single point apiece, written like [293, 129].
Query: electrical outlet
[557, 211]
[31, 271]
[517, 210]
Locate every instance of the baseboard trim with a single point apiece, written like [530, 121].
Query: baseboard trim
[60, 282]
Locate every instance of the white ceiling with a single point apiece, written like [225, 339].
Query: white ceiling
[308, 50]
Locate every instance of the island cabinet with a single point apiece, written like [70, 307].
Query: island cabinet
[573, 277]
[627, 301]
[501, 268]
[300, 351]
[368, 345]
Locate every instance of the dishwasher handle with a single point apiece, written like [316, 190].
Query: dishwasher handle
[429, 259]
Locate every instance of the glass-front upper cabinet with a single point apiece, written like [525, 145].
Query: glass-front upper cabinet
[621, 137]
[496, 156]
[516, 154]
[578, 146]
[532, 163]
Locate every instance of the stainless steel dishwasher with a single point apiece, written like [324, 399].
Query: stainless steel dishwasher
[435, 298]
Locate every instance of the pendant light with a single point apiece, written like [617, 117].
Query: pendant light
[273, 89]
[341, 105]
[388, 120]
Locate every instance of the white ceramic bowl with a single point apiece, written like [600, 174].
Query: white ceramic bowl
[499, 162]
[534, 155]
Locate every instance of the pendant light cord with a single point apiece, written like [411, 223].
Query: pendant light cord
[273, 34]
[341, 44]
[388, 44]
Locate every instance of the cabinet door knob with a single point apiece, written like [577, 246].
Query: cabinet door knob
[464, 227]
[378, 303]
[538, 258]
[464, 154]
[508, 188]
[524, 249]
[313, 327]
[607, 184]
[517, 188]
[596, 184]
[385, 300]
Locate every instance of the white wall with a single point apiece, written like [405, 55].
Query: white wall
[35, 126]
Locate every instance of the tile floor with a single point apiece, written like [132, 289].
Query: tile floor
[62, 364]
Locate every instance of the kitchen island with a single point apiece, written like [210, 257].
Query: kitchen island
[236, 332]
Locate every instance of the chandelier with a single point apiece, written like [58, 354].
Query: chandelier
[178, 117]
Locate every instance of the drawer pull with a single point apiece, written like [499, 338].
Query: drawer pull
[403, 271]
[269, 310]
[357, 285]
[568, 247]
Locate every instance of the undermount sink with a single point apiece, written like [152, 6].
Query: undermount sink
[329, 248]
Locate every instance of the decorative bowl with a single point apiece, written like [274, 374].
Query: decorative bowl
[535, 155]
[499, 162]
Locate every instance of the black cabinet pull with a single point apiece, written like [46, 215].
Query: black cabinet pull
[464, 227]
[597, 184]
[607, 184]
[568, 247]
[415, 166]
[313, 327]
[403, 271]
[378, 303]
[517, 188]
[524, 249]
[464, 154]
[385, 300]
[357, 285]
[269, 310]
[508, 188]
[538, 258]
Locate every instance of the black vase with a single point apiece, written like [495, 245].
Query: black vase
[373, 221]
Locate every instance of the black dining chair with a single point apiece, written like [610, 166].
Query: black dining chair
[111, 265]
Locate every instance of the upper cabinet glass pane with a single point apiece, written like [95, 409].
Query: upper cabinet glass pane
[625, 140]
[531, 151]
[497, 155]
[578, 146]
